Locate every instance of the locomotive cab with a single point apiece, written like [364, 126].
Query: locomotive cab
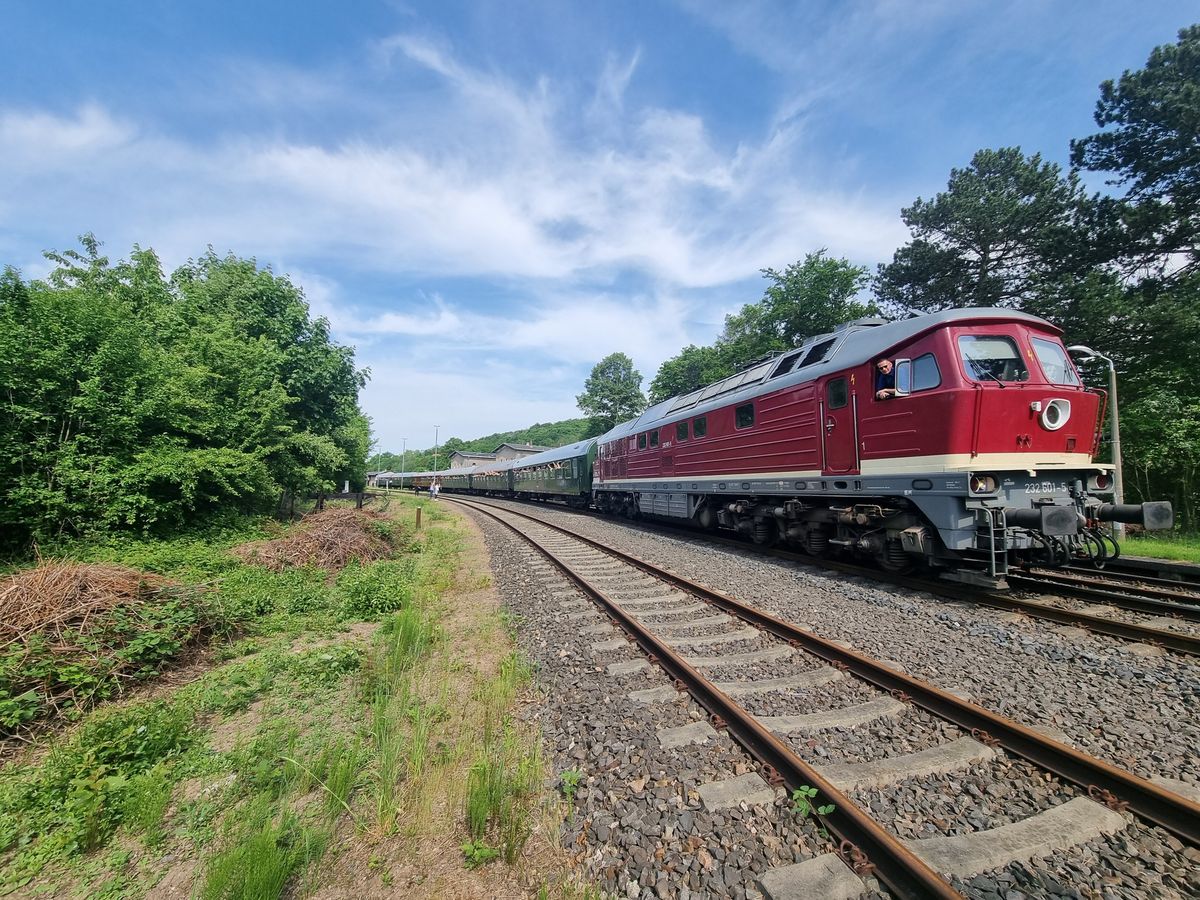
[1021, 428]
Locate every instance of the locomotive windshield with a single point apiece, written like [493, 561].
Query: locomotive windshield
[1054, 362]
[992, 357]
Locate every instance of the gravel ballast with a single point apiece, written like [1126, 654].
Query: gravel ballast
[639, 824]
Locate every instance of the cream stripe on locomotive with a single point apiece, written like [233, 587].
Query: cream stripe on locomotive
[954, 462]
[965, 462]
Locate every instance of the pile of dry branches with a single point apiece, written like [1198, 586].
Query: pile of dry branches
[73, 633]
[58, 597]
[328, 540]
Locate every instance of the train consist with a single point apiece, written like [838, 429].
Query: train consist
[977, 453]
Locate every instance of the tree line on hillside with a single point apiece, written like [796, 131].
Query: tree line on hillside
[134, 400]
[1117, 271]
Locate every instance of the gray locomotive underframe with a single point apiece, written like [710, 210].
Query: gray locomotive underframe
[942, 498]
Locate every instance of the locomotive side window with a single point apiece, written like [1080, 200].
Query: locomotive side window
[744, 415]
[1054, 362]
[654, 438]
[991, 357]
[642, 441]
[681, 433]
[925, 374]
[836, 393]
[700, 427]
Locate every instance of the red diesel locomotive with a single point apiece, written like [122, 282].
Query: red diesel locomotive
[981, 456]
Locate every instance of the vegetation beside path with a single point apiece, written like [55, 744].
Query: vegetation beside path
[347, 733]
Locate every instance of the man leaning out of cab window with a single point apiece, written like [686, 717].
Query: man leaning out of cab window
[885, 380]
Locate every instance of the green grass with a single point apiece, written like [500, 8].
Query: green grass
[113, 771]
[319, 734]
[507, 769]
[262, 851]
[119, 768]
[1176, 546]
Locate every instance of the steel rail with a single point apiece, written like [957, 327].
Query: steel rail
[1169, 587]
[1169, 640]
[1163, 571]
[904, 873]
[1142, 598]
[1179, 643]
[1113, 785]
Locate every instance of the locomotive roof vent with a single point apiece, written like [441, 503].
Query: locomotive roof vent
[864, 322]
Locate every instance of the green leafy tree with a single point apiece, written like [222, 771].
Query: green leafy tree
[612, 393]
[1153, 147]
[810, 297]
[1006, 228]
[133, 400]
[694, 367]
[807, 298]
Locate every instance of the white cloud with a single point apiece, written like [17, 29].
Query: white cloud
[491, 186]
[555, 198]
[50, 139]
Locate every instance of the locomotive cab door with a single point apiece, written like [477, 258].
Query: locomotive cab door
[839, 427]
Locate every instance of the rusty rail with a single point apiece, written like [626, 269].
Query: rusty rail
[1146, 600]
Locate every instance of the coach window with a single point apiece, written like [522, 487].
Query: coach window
[700, 427]
[681, 431]
[654, 438]
[837, 394]
[744, 415]
[642, 441]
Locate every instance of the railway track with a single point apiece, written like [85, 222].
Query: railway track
[1155, 571]
[666, 614]
[1132, 592]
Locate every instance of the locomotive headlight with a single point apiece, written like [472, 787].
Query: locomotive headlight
[1101, 484]
[984, 484]
[1056, 414]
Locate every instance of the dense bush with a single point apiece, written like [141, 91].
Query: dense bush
[138, 401]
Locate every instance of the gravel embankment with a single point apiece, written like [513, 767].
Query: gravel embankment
[1138, 712]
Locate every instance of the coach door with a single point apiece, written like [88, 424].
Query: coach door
[839, 437]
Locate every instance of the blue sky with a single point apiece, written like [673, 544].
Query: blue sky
[486, 198]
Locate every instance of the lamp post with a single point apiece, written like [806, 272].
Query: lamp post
[435, 449]
[1118, 483]
[403, 460]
